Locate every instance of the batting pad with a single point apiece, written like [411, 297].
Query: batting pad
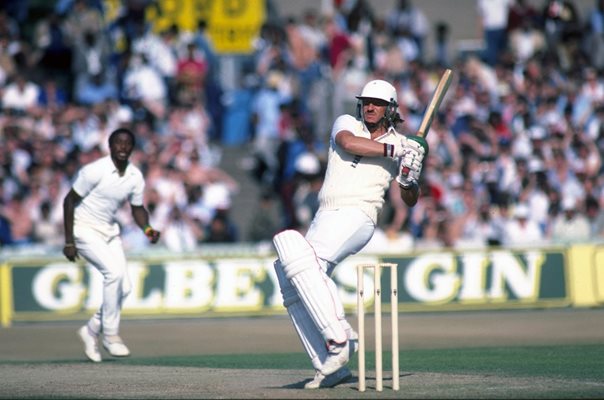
[307, 331]
[302, 269]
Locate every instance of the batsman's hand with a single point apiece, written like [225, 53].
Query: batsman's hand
[152, 234]
[396, 150]
[71, 252]
[411, 164]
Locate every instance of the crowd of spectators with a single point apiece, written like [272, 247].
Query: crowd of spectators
[515, 151]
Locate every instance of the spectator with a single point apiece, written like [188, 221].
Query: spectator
[191, 71]
[90, 130]
[19, 218]
[562, 29]
[305, 202]
[263, 225]
[82, 17]
[21, 95]
[595, 215]
[204, 45]
[441, 40]
[594, 36]
[144, 86]
[221, 229]
[95, 89]
[493, 20]
[526, 41]
[302, 48]
[46, 230]
[265, 117]
[592, 88]
[8, 64]
[360, 17]
[181, 233]
[9, 22]
[52, 97]
[533, 192]
[91, 56]
[408, 19]
[53, 48]
[394, 216]
[337, 45]
[522, 230]
[502, 215]
[570, 226]
[473, 226]
[130, 20]
[6, 238]
[299, 161]
[435, 232]
[520, 12]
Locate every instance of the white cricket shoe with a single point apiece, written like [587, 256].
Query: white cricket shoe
[327, 381]
[115, 346]
[338, 356]
[91, 346]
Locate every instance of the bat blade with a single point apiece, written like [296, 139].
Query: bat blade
[437, 98]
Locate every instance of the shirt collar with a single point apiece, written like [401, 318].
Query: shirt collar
[114, 168]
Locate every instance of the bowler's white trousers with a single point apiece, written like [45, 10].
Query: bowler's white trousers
[334, 235]
[106, 254]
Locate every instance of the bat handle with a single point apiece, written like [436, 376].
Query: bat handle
[403, 178]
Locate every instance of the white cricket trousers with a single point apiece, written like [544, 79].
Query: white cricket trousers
[334, 235]
[106, 254]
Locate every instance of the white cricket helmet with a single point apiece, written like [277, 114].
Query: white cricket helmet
[379, 89]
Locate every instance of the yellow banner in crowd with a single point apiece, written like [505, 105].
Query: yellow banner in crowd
[232, 25]
[235, 24]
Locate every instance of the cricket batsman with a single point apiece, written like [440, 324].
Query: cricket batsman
[365, 154]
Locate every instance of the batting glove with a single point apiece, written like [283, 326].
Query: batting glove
[411, 163]
[397, 150]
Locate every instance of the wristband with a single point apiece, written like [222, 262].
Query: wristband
[388, 150]
[147, 230]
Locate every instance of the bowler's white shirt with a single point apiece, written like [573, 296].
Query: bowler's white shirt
[103, 192]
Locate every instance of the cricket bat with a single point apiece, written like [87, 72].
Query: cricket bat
[437, 98]
[424, 127]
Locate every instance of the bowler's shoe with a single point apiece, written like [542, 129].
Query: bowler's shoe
[115, 346]
[91, 346]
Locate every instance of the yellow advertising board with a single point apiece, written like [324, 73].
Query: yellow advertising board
[162, 14]
[234, 24]
[173, 285]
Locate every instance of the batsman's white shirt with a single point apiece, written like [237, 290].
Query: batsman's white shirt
[352, 195]
[355, 181]
[103, 192]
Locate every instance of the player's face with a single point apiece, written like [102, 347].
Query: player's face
[121, 147]
[374, 110]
